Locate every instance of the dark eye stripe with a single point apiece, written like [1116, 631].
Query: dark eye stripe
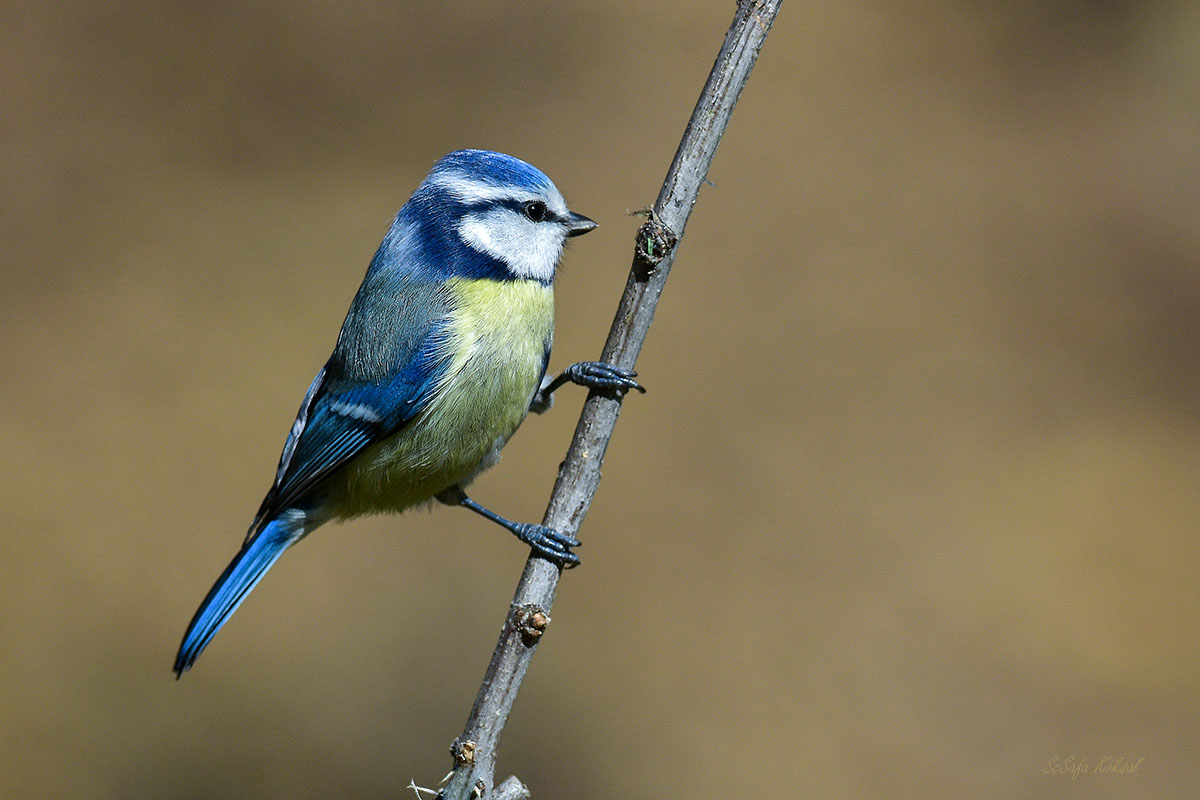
[519, 206]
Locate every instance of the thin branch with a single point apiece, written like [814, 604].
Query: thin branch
[475, 751]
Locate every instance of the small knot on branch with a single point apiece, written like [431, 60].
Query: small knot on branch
[654, 241]
[530, 622]
[463, 752]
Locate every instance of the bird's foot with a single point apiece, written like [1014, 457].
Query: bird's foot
[548, 543]
[599, 375]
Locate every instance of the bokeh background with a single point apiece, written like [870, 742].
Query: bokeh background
[910, 510]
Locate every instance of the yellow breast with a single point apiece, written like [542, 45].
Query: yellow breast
[498, 336]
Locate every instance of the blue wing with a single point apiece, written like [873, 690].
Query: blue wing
[340, 416]
[391, 354]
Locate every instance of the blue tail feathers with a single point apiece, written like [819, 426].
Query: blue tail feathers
[242, 574]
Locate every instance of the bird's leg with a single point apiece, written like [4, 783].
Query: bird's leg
[546, 542]
[592, 374]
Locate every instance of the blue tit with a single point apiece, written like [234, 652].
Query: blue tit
[443, 353]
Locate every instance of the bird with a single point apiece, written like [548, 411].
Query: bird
[443, 353]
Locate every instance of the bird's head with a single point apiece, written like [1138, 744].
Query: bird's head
[484, 214]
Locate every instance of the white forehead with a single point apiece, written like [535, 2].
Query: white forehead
[473, 191]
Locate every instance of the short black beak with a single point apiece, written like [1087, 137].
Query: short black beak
[578, 224]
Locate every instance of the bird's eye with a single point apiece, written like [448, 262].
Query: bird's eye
[535, 210]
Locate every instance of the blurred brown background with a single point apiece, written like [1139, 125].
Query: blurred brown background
[911, 507]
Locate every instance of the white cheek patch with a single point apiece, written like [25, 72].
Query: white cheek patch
[530, 250]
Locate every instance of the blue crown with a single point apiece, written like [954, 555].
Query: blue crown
[496, 169]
